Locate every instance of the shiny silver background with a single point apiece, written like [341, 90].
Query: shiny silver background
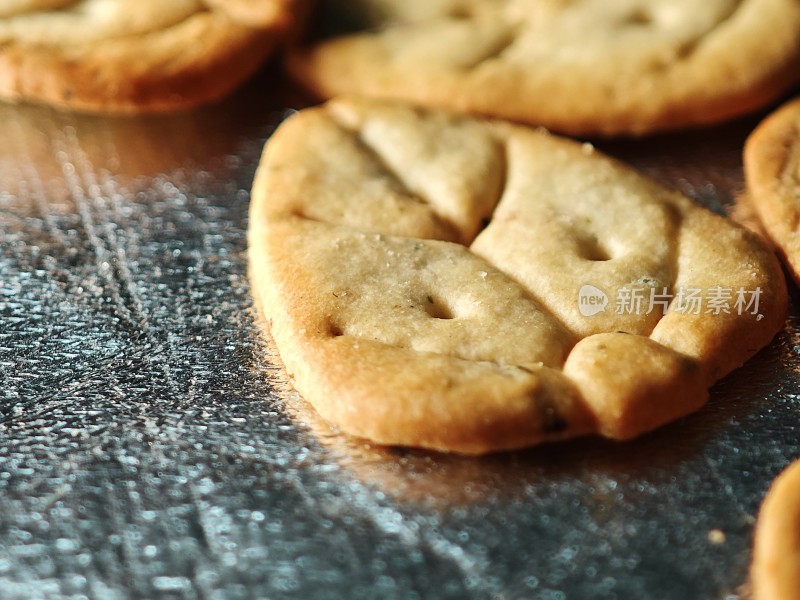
[145, 453]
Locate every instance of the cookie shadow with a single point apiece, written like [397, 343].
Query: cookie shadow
[444, 481]
[41, 141]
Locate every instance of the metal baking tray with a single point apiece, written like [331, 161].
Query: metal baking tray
[145, 451]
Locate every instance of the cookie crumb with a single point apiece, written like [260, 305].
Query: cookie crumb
[716, 536]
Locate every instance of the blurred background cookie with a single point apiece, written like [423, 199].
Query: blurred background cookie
[144, 56]
[585, 67]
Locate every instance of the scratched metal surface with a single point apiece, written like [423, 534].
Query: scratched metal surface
[144, 453]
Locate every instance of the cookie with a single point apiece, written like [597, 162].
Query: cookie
[470, 286]
[772, 173]
[582, 67]
[129, 57]
[775, 573]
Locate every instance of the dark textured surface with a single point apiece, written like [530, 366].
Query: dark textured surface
[144, 455]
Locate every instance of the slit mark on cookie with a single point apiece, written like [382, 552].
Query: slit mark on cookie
[502, 186]
[437, 308]
[593, 251]
[686, 50]
[494, 51]
[303, 216]
[460, 13]
[639, 17]
[379, 160]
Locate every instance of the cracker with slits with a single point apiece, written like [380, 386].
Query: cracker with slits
[775, 572]
[423, 275]
[772, 172]
[584, 67]
[142, 56]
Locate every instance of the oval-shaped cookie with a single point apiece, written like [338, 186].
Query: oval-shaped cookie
[143, 56]
[465, 285]
[775, 572]
[772, 173]
[583, 67]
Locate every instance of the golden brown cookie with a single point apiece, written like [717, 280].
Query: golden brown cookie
[775, 573]
[772, 172]
[144, 56]
[465, 285]
[584, 67]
